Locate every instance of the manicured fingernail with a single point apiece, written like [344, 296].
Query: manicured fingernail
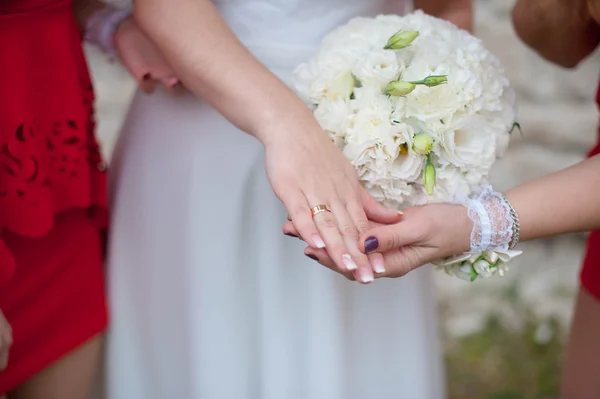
[291, 235]
[312, 257]
[400, 213]
[146, 77]
[348, 262]
[318, 242]
[378, 265]
[371, 244]
[366, 276]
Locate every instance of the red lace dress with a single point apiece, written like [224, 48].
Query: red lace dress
[52, 188]
[590, 274]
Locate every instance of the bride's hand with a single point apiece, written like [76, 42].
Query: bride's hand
[143, 60]
[425, 234]
[306, 170]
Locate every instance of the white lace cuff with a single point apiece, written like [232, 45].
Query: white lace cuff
[495, 223]
[101, 28]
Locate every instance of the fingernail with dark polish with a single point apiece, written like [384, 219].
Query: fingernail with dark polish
[371, 244]
[312, 257]
[291, 235]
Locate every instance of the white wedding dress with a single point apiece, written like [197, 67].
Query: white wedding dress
[209, 299]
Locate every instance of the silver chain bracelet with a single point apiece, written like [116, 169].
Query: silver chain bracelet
[516, 227]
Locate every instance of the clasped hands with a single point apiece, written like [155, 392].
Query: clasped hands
[421, 235]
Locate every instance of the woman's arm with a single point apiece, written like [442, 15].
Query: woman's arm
[212, 62]
[562, 31]
[459, 12]
[565, 202]
[304, 168]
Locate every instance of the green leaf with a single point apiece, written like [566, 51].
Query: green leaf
[473, 274]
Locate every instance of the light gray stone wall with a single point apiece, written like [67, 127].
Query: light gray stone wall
[558, 118]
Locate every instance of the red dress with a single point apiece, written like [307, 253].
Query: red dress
[52, 188]
[590, 274]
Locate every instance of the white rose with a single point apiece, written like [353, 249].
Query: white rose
[325, 77]
[377, 68]
[333, 116]
[469, 144]
[371, 119]
[332, 85]
[369, 158]
[371, 98]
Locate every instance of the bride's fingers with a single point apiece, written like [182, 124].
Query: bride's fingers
[303, 221]
[375, 259]
[363, 272]
[327, 224]
[321, 256]
[362, 226]
[318, 255]
[290, 230]
[348, 227]
[378, 263]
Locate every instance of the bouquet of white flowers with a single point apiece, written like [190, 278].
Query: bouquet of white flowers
[420, 108]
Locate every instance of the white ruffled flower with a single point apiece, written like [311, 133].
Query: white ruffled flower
[333, 116]
[372, 141]
[322, 79]
[469, 144]
[377, 69]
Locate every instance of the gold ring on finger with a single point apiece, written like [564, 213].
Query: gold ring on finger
[315, 210]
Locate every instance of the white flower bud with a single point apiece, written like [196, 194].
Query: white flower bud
[422, 144]
[401, 40]
[482, 267]
[399, 88]
[429, 177]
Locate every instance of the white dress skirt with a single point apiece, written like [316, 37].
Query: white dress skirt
[209, 300]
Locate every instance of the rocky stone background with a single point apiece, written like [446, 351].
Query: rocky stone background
[558, 118]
